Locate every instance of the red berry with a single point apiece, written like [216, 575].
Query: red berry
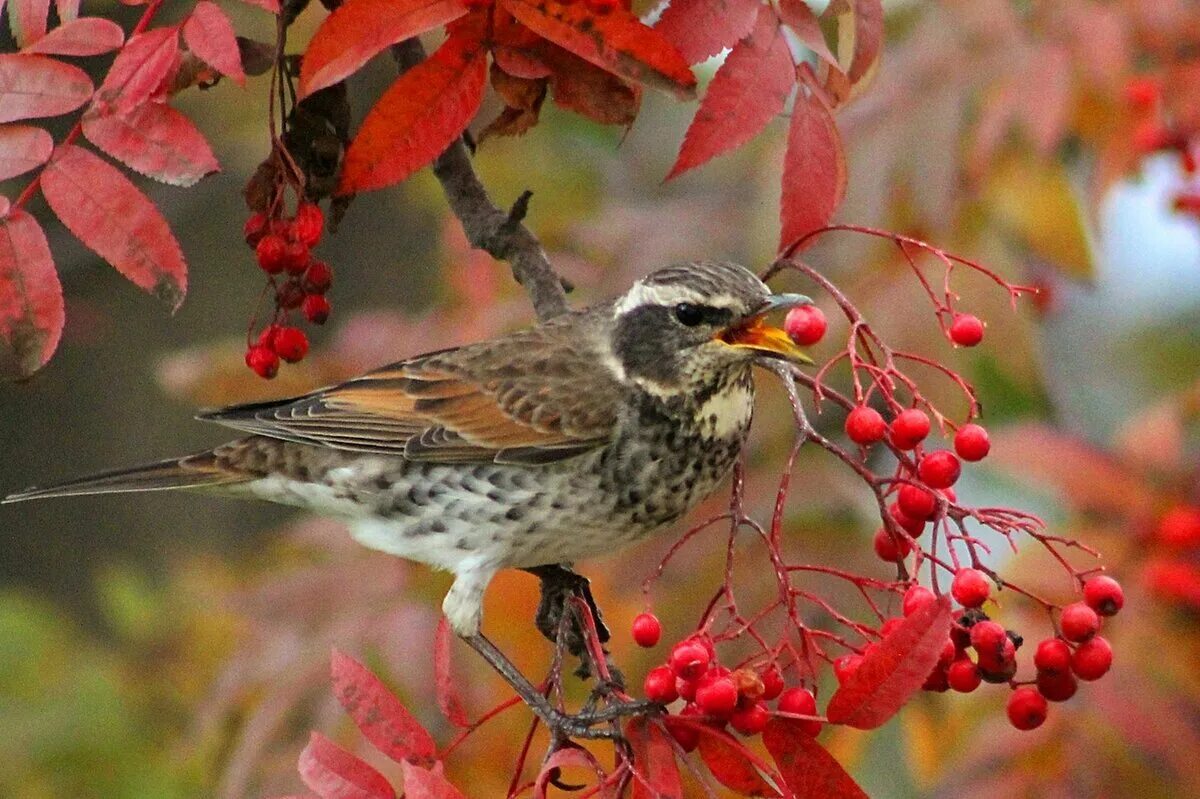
[263, 360]
[318, 278]
[308, 224]
[865, 425]
[801, 702]
[1053, 656]
[963, 676]
[271, 252]
[909, 428]
[845, 666]
[254, 228]
[290, 343]
[971, 442]
[1103, 594]
[1092, 659]
[659, 685]
[938, 680]
[1142, 92]
[686, 735]
[1151, 135]
[296, 257]
[988, 638]
[717, 695]
[939, 469]
[772, 682]
[751, 719]
[1027, 708]
[970, 588]
[1056, 687]
[686, 689]
[689, 659]
[916, 598]
[316, 309]
[1180, 526]
[912, 526]
[966, 330]
[892, 549]
[1079, 622]
[949, 652]
[805, 324]
[916, 502]
[647, 630]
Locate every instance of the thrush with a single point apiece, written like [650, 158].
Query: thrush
[552, 444]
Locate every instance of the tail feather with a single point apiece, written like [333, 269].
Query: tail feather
[192, 471]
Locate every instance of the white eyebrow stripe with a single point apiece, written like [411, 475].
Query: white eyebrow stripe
[641, 294]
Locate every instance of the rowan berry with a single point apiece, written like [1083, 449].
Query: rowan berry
[647, 630]
[255, 227]
[717, 695]
[316, 309]
[938, 680]
[971, 442]
[916, 502]
[1078, 622]
[949, 653]
[865, 425]
[909, 428]
[805, 325]
[686, 689]
[290, 343]
[801, 702]
[751, 719]
[1142, 92]
[966, 330]
[296, 257]
[939, 469]
[988, 637]
[845, 666]
[1151, 135]
[271, 253]
[263, 360]
[689, 659]
[970, 588]
[1092, 659]
[998, 664]
[1052, 656]
[1057, 687]
[1027, 708]
[659, 685]
[1103, 594]
[892, 549]
[917, 597]
[772, 682]
[318, 278]
[685, 734]
[963, 676]
[913, 526]
[1180, 526]
[308, 224]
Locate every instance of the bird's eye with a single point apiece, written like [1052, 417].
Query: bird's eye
[689, 315]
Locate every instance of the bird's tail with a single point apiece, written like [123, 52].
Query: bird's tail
[191, 471]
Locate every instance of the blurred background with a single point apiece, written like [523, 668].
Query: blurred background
[176, 646]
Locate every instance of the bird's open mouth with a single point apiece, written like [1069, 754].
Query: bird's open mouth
[755, 334]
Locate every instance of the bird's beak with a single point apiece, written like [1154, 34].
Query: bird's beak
[754, 333]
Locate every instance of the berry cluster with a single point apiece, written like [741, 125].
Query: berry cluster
[1173, 573]
[715, 695]
[283, 249]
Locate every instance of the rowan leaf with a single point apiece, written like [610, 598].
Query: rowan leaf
[80, 37]
[860, 34]
[31, 301]
[748, 91]
[359, 29]
[36, 86]
[656, 774]
[27, 20]
[699, 29]
[727, 760]
[419, 115]
[145, 61]
[67, 10]
[799, 16]
[809, 771]
[814, 170]
[22, 148]
[334, 773]
[423, 783]
[111, 216]
[155, 140]
[617, 42]
[567, 757]
[589, 91]
[447, 692]
[209, 34]
[380, 716]
[889, 675]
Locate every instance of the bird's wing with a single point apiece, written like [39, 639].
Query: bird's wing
[536, 396]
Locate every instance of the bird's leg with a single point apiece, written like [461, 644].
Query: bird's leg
[559, 584]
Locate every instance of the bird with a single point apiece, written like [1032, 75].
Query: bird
[562, 441]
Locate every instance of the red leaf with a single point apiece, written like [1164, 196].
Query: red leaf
[889, 676]
[379, 714]
[67, 10]
[798, 16]
[36, 86]
[868, 37]
[422, 783]
[108, 214]
[22, 148]
[700, 29]
[209, 34]
[31, 301]
[419, 115]
[447, 693]
[359, 29]
[617, 42]
[80, 37]
[334, 773]
[727, 759]
[567, 757]
[153, 139]
[748, 91]
[656, 772]
[806, 767]
[27, 20]
[139, 69]
[814, 170]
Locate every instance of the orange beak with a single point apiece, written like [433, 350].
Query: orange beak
[755, 334]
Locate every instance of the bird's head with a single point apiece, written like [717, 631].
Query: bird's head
[691, 324]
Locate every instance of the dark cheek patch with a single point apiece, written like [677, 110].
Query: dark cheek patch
[647, 343]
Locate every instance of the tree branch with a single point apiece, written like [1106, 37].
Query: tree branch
[501, 234]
